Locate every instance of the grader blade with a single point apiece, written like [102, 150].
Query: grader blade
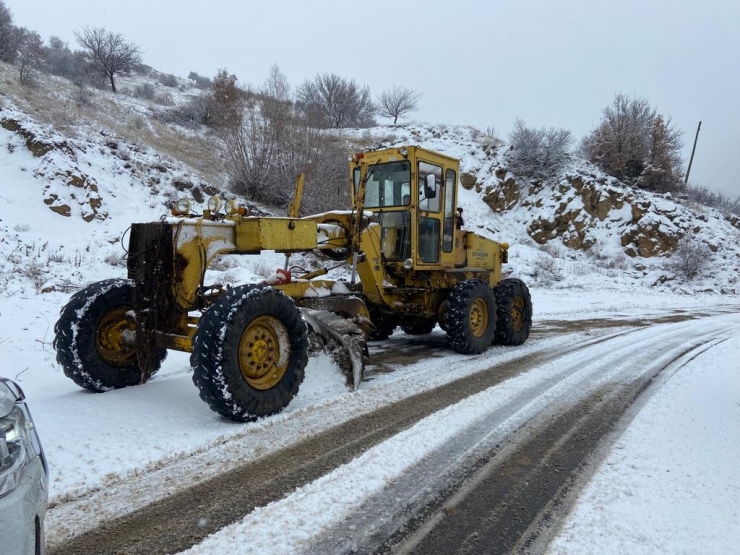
[342, 339]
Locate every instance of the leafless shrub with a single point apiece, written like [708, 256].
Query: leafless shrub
[197, 111]
[273, 142]
[538, 152]
[713, 199]
[138, 122]
[263, 270]
[616, 261]
[690, 257]
[145, 91]
[116, 259]
[83, 96]
[491, 134]
[168, 80]
[547, 271]
[553, 249]
[56, 256]
[200, 81]
[222, 263]
[164, 99]
[35, 272]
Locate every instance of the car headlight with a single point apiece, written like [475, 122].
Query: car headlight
[19, 443]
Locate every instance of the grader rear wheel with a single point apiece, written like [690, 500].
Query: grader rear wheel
[249, 353]
[514, 312]
[470, 318]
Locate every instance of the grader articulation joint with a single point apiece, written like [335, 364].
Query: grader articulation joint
[412, 265]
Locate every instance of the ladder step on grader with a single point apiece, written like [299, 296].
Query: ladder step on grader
[412, 265]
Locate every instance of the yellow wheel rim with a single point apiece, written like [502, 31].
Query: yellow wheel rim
[517, 313]
[264, 352]
[478, 317]
[115, 339]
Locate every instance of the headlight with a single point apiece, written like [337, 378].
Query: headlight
[182, 206]
[19, 443]
[16, 449]
[231, 207]
[408, 263]
[214, 203]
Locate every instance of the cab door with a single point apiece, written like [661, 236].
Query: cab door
[429, 220]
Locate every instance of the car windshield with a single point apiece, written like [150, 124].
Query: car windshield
[389, 185]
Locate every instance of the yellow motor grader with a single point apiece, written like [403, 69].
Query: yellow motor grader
[410, 264]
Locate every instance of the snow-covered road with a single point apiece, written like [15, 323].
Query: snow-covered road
[114, 453]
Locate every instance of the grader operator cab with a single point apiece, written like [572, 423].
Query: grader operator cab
[411, 264]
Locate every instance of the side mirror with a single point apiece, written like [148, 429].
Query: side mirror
[430, 188]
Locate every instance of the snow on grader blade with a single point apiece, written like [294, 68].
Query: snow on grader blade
[410, 263]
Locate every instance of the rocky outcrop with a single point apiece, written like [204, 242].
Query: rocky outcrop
[70, 191]
[36, 143]
[504, 194]
[583, 207]
[649, 239]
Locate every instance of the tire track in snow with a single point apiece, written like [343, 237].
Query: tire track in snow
[186, 517]
[506, 492]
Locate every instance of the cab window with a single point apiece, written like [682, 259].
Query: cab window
[388, 185]
[429, 239]
[449, 221]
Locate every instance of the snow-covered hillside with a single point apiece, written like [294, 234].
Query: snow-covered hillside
[71, 199]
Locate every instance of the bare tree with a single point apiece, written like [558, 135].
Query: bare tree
[8, 35]
[333, 101]
[690, 257]
[274, 143]
[538, 152]
[108, 53]
[30, 54]
[637, 145]
[397, 102]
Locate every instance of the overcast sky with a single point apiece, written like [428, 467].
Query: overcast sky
[478, 62]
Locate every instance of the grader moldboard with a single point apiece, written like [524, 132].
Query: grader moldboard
[412, 265]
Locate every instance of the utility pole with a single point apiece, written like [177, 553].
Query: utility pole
[693, 150]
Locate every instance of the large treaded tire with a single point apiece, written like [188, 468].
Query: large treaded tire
[94, 313]
[219, 352]
[419, 327]
[471, 317]
[514, 315]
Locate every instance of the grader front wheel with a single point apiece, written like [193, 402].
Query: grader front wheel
[261, 361]
[249, 353]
